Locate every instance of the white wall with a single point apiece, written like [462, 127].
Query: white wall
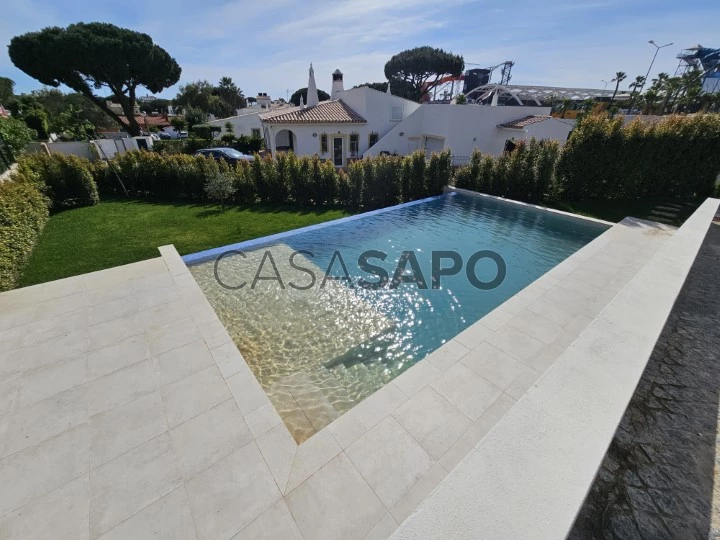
[243, 124]
[307, 145]
[555, 129]
[464, 128]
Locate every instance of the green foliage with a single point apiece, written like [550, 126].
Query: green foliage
[23, 214]
[67, 180]
[421, 68]
[220, 187]
[439, 172]
[16, 136]
[195, 116]
[6, 90]
[221, 100]
[295, 97]
[37, 120]
[90, 56]
[416, 184]
[206, 131]
[677, 157]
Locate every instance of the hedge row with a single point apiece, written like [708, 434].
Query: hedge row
[66, 180]
[23, 214]
[604, 160]
[371, 182]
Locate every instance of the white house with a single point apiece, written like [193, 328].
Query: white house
[247, 120]
[345, 126]
[363, 121]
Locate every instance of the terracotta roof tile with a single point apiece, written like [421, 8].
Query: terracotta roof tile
[526, 121]
[327, 112]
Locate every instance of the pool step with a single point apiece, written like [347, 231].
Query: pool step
[365, 352]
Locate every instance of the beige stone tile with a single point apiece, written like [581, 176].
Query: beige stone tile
[336, 502]
[121, 387]
[231, 494]
[417, 377]
[545, 358]
[247, 392]
[299, 426]
[278, 449]
[276, 523]
[108, 293]
[172, 335]
[390, 460]
[347, 429]
[40, 384]
[379, 405]
[44, 419]
[158, 297]
[156, 317]
[38, 470]
[228, 359]
[214, 334]
[536, 326]
[118, 430]
[383, 529]
[172, 259]
[67, 347]
[432, 420]
[516, 343]
[448, 353]
[523, 383]
[120, 355]
[100, 313]
[166, 519]
[474, 335]
[153, 283]
[262, 420]
[209, 437]
[476, 432]
[494, 365]
[57, 307]
[466, 390]
[111, 332]
[62, 513]
[194, 395]
[177, 364]
[418, 492]
[311, 456]
[8, 393]
[557, 313]
[126, 485]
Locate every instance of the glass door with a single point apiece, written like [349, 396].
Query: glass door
[338, 153]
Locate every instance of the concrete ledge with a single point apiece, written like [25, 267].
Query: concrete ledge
[529, 476]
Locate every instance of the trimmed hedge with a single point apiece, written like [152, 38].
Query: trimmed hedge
[241, 143]
[66, 180]
[23, 214]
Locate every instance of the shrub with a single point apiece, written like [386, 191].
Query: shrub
[417, 188]
[16, 136]
[245, 192]
[439, 172]
[248, 145]
[220, 187]
[67, 180]
[23, 214]
[355, 183]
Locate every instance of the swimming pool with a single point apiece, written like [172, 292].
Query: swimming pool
[319, 346]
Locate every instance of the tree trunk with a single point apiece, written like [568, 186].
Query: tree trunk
[133, 130]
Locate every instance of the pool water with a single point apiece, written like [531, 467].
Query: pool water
[319, 351]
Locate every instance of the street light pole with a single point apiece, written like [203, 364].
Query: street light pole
[657, 50]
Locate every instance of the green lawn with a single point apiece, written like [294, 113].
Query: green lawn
[120, 232]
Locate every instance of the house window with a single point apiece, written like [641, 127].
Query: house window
[323, 143]
[354, 144]
[372, 139]
[396, 114]
[256, 132]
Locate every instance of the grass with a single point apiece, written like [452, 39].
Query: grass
[121, 232]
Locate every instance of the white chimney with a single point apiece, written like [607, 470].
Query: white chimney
[337, 84]
[312, 93]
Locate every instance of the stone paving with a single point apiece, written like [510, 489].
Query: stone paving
[658, 477]
[126, 411]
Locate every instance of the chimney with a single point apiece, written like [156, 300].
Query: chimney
[312, 93]
[337, 84]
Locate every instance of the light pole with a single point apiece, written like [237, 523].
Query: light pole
[657, 50]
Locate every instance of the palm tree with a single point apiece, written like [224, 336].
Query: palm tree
[619, 77]
[637, 83]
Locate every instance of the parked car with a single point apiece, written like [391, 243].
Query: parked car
[230, 155]
[163, 136]
[182, 135]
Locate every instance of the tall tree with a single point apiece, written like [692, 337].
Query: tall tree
[421, 68]
[6, 90]
[92, 56]
[635, 86]
[295, 98]
[231, 97]
[197, 95]
[620, 76]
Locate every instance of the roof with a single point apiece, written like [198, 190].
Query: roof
[147, 120]
[326, 112]
[526, 121]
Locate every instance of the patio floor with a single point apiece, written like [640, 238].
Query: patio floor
[127, 412]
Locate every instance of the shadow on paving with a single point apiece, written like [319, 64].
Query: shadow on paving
[657, 477]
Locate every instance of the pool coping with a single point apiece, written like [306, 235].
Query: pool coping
[529, 476]
[292, 464]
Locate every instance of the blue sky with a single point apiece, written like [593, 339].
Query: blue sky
[267, 45]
